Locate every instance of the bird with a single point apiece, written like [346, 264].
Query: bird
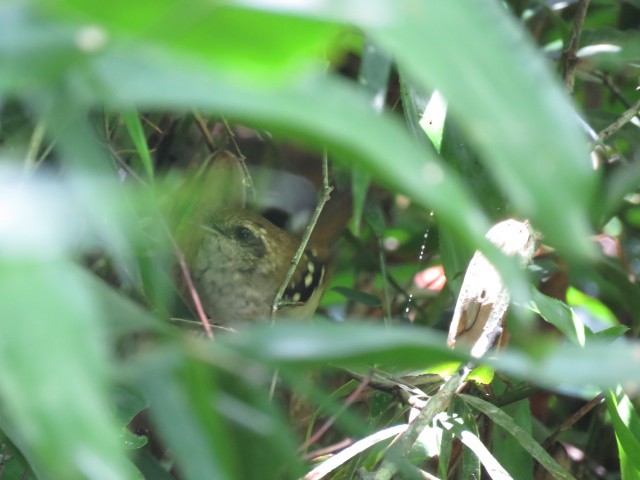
[239, 260]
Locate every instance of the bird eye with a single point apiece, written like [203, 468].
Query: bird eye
[241, 234]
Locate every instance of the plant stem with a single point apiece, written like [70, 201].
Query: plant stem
[326, 195]
[569, 61]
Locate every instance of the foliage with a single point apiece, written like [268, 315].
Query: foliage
[109, 109]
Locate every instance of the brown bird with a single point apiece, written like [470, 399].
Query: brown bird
[240, 260]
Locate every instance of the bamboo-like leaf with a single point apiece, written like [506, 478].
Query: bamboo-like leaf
[626, 426]
[522, 437]
[471, 440]
[136, 132]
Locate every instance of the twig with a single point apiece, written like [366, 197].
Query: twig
[202, 126]
[569, 59]
[568, 423]
[326, 195]
[609, 83]
[130, 171]
[192, 290]
[620, 122]
[247, 176]
[330, 449]
[347, 403]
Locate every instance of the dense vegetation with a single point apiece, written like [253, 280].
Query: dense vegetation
[441, 117]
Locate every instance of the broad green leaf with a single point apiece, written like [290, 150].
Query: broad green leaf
[292, 344]
[559, 315]
[557, 365]
[178, 417]
[520, 435]
[626, 426]
[250, 45]
[206, 415]
[55, 408]
[622, 181]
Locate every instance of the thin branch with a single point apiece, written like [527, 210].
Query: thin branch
[608, 82]
[625, 118]
[247, 180]
[326, 195]
[569, 60]
[347, 403]
[568, 423]
[321, 452]
[192, 290]
[202, 126]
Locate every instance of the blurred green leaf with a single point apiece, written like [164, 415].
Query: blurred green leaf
[546, 363]
[509, 78]
[206, 415]
[358, 296]
[134, 127]
[258, 46]
[74, 436]
[622, 181]
[128, 404]
[178, 414]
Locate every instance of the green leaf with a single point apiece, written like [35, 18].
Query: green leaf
[472, 456]
[467, 434]
[55, 409]
[559, 315]
[622, 181]
[520, 435]
[128, 404]
[552, 364]
[515, 459]
[291, 344]
[251, 45]
[509, 78]
[358, 296]
[134, 127]
[626, 425]
[205, 415]
[575, 298]
[176, 412]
